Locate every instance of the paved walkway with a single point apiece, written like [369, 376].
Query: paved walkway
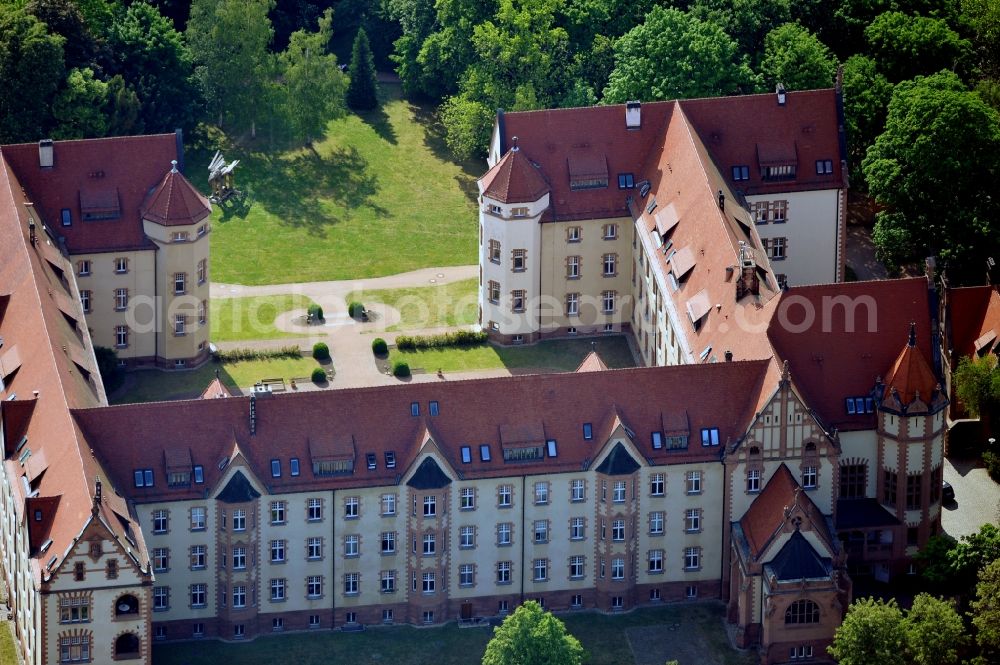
[350, 341]
[861, 254]
[977, 498]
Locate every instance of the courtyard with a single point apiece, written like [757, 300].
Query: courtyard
[691, 633]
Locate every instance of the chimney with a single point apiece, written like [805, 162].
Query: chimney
[253, 414]
[729, 356]
[513, 144]
[780, 91]
[633, 115]
[748, 282]
[722, 200]
[45, 153]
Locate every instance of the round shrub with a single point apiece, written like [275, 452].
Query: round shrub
[315, 312]
[401, 368]
[356, 310]
[318, 375]
[321, 351]
[379, 347]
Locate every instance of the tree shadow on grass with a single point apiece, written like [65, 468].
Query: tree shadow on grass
[378, 120]
[472, 169]
[300, 188]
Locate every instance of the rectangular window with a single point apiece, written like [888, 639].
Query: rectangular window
[519, 260]
[618, 530]
[278, 590]
[388, 542]
[913, 486]
[541, 530]
[180, 283]
[889, 488]
[753, 480]
[692, 558]
[428, 582]
[197, 557]
[121, 299]
[198, 596]
[505, 496]
[121, 265]
[809, 477]
[572, 267]
[239, 558]
[655, 559]
[577, 489]
[493, 291]
[609, 231]
[618, 492]
[468, 498]
[161, 559]
[160, 521]
[180, 325]
[503, 572]
[504, 530]
[853, 481]
[824, 166]
[741, 173]
[466, 575]
[573, 234]
[121, 337]
[656, 523]
[572, 304]
[352, 544]
[83, 268]
[519, 211]
[656, 483]
[276, 468]
[277, 512]
[692, 520]
[618, 568]
[387, 581]
[608, 301]
[239, 519]
[430, 505]
[66, 216]
[577, 528]
[351, 581]
[626, 181]
[351, 507]
[710, 436]
[779, 211]
[388, 504]
[541, 493]
[314, 586]
[517, 300]
[610, 265]
[540, 570]
[495, 251]
[429, 544]
[467, 537]
[576, 567]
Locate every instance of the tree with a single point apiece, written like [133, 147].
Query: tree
[107, 365]
[935, 561]
[673, 55]
[62, 17]
[797, 59]
[532, 636]
[872, 632]
[467, 126]
[122, 109]
[152, 58]
[986, 610]
[866, 102]
[416, 18]
[31, 63]
[983, 17]
[977, 384]
[746, 21]
[79, 107]
[362, 91]
[447, 52]
[934, 631]
[229, 40]
[314, 83]
[933, 169]
[906, 46]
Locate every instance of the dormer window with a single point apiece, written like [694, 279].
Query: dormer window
[657, 440]
[466, 455]
[390, 459]
[780, 172]
[588, 431]
[741, 172]
[626, 181]
[522, 453]
[370, 460]
[276, 468]
[824, 166]
[484, 452]
[710, 436]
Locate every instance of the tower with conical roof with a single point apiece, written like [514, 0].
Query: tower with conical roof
[513, 195]
[175, 217]
[911, 408]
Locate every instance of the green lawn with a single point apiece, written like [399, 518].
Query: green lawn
[154, 385]
[238, 319]
[694, 635]
[556, 355]
[454, 304]
[378, 196]
[8, 651]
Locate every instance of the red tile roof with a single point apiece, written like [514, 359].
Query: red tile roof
[839, 339]
[216, 389]
[592, 363]
[514, 179]
[766, 515]
[734, 130]
[42, 319]
[376, 420]
[910, 376]
[175, 202]
[95, 172]
[974, 315]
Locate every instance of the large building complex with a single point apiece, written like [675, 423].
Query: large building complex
[791, 441]
[136, 232]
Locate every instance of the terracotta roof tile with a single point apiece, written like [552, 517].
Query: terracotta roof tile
[175, 201]
[592, 363]
[514, 179]
[97, 172]
[974, 315]
[911, 377]
[766, 515]
[377, 420]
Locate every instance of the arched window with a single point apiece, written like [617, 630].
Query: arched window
[127, 604]
[754, 450]
[127, 646]
[810, 447]
[802, 611]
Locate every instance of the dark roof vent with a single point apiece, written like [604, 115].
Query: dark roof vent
[780, 91]
[46, 153]
[729, 356]
[513, 144]
[722, 200]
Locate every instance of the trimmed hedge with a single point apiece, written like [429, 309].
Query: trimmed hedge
[458, 338]
[318, 375]
[321, 351]
[379, 347]
[316, 312]
[401, 368]
[356, 310]
[992, 462]
[239, 355]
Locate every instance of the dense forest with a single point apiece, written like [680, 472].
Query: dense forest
[921, 78]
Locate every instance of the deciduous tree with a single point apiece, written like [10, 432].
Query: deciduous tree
[532, 636]
[866, 103]
[79, 107]
[872, 632]
[31, 68]
[935, 170]
[362, 91]
[986, 610]
[905, 46]
[122, 109]
[313, 81]
[797, 59]
[934, 631]
[674, 55]
[467, 126]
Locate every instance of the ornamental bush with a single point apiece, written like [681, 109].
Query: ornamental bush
[379, 347]
[356, 310]
[318, 375]
[457, 338]
[321, 351]
[315, 312]
[401, 368]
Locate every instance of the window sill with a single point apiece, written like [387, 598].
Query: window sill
[197, 568]
[278, 600]
[654, 572]
[655, 534]
[690, 531]
[392, 553]
[572, 277]
[278, 562]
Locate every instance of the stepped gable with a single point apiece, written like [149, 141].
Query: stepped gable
[175, 201]
[112, 176]
[514, 180]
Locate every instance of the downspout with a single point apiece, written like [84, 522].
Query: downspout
[524, 500]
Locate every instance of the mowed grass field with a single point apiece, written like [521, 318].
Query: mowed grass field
[252, 318]
[421, 307]
[561, 355]
[691, 633]
[379, 195]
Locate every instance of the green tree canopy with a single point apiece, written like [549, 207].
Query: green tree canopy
[154, 61]
[673, 55]
[934, 631]
[906, 46]
[467, 124]
[79, 107]
[314, 83]
[229, 42]
[362, 92]
[986, 611]
[746, 21]
[122, 109]
[448, 51]
[934, 169]
[983, 17]
[62, 17]
[977, 384]
[31, 63]
[866, 103]
[797, 59]
[532, 636]
[872, 632]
